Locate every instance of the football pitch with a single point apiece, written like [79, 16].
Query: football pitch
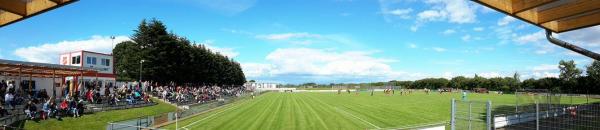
[323, 110]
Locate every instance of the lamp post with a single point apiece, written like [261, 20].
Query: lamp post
[112, 43]
[141, 66]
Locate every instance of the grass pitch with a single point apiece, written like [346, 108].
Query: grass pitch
[332, 111]
[96, 121]
[306, 110]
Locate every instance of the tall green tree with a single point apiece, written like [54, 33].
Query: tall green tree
[569, 74]
[171, 58]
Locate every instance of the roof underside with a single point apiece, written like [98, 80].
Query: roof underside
[12, 11]
[20, 68]
[555, 15]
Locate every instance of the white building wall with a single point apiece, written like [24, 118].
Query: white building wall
[99, 65]
[40, 83]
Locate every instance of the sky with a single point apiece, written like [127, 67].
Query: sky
[322, 41]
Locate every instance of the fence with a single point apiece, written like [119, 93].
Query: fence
[532, 110]
[542, 109]
[471, 115]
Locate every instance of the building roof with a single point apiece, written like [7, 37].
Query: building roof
[12, 11]
[555, 15]
[16, 68]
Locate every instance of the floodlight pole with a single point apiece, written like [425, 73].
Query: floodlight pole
[571, 47]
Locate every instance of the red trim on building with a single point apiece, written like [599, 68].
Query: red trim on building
[99, 75]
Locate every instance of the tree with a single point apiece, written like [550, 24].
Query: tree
[568, 74]
[171, 58]
[593, 71]
[568, 70]
[458, 82]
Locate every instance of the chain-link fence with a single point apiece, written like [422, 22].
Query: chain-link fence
[470, 115]
[537, 109]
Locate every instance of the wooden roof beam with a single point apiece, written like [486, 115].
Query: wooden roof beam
[522, 5]
[14, 6]
[39, 5]
[588, 20]
[7, 17]
[569, 9]
[59, 1]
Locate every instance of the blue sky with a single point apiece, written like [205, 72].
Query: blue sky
[296, 41]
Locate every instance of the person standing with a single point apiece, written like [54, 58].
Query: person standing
[464, 95]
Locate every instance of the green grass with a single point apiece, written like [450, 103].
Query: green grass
[99, 120]
[332, 111]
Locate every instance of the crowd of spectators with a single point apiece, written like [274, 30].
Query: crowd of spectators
[39, 105]
[189, 94]
[69, 102]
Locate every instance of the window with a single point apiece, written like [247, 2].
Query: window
[89, 60]
[105, 62]
[76, 60]
[94, 60]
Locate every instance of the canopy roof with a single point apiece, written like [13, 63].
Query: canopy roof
[554, 15]
[12, 11]
[21, 68]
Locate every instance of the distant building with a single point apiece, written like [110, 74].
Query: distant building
[260, 86]
[103, 63]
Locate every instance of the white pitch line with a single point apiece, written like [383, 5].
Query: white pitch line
[208, 117]
[358, 118]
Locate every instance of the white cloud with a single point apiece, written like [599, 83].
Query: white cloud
[393, 10]
[431, 15]
[287, 36]
[229, 52]
[457, 11]
[506, 20]
[400, 13]
[466, 37]
[49, 52]
[478, 29]
[452, 11]
[449, 31]
[490, 74]
[256, 69]
[304, 38]
[308, 64]
[545, 67]
[536, 37]
[438, 49]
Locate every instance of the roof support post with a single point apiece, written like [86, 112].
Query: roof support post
[571, 47]
[30, 81]
[54, 84]
[19, 83]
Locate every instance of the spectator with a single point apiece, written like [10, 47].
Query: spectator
[64, 107]
[89, 96]
[73, 108]
[30, 109]
[9, 100]
[80, 108]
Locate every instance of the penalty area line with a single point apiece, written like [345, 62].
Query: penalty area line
[365, 121]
